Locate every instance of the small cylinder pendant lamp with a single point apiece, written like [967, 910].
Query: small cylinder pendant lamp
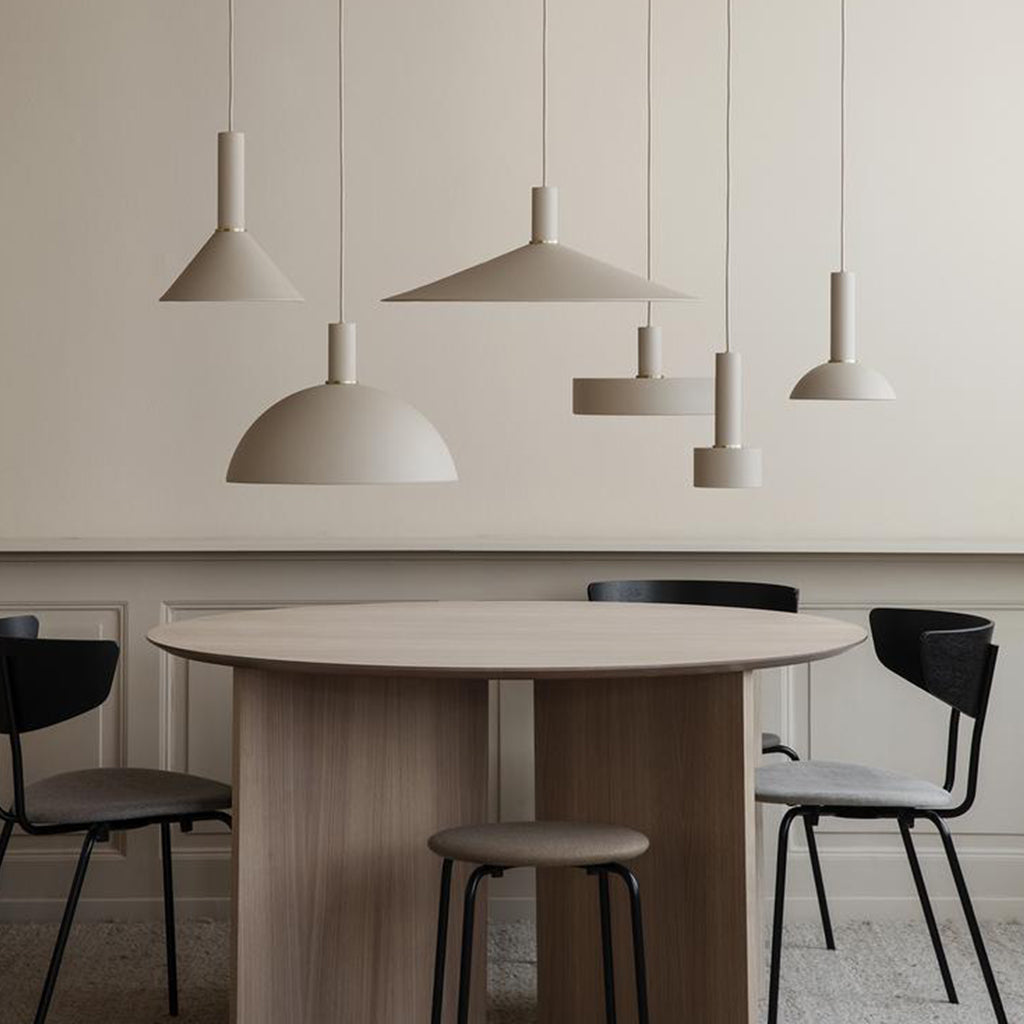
[341, 432]
[543, 270]
[650, 392]
[842, 378]
[232, 266]
[728, 463]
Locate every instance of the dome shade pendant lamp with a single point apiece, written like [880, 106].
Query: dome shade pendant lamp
[341, 432]
[728, 463]
[543, 270]
[842, 378]
[232, 266]
[650, 392]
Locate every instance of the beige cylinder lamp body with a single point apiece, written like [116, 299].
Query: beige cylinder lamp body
[728, 463]
[232, 266]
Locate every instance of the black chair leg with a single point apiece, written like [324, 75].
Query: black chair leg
[437, 1005]
[926, 906]
[5, 838]
[468, 917]
[779, 912]
[65, 926]
[172, 944]
[819, 882]
[972, 920]
[639, 954]
[607, 955]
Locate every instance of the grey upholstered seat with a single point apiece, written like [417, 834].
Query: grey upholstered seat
[539, 844]
[770, 739]
[98, 795]
[836, 784]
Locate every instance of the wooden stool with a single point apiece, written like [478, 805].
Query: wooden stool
[597, 849]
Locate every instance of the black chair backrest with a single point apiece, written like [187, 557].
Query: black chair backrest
[44, 682]
[19, 625]
[946, 654]
[773, 597]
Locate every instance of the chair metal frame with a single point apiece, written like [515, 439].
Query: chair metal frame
[22, 630]
[905, 817]
[602, 871]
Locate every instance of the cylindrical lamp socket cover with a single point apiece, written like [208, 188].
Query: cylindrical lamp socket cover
[844, 324]
[231, 181]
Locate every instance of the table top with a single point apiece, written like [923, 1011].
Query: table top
[508, 639]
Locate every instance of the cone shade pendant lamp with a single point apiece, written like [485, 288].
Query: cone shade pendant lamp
[842, 378]
[341, 432]
[650, 392]
[728, 463]
[232, 266]
[543, 270]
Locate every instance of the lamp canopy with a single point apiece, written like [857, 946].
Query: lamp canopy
[842, 378]
[728, 463]
[543, 270]
[341, 432]
[649, 393]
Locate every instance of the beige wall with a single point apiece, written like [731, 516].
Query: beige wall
[118, 416]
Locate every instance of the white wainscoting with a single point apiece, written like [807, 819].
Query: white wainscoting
[164, 712]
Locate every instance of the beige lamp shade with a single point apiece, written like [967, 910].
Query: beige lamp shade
[341, 432]
[842, 378]
[543, 270]
[232, 266]
[728, 463]
[649, 393]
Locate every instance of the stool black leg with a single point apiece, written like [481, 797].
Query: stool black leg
[972, 920]
[607, 955]
[468, 916]
[65, 926]
[819, 881]
[172, 946]
[639, 955]
[442, 942]
[780, 907]
[926, 906]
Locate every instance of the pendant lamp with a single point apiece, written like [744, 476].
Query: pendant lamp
[543, 270]
[650, 392]
[728, 463]
[341, 432]
[232, 266]
[842, 378]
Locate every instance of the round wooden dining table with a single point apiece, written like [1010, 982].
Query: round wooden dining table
[360, 729]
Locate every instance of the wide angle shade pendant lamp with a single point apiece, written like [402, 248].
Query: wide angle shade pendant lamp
[728, 463]
[232, 266]
[543, 270]
[650, 392]
[341, 432]
[842, 378]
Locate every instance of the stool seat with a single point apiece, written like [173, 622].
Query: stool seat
[516, 844]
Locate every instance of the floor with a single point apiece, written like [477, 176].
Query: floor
[881, 973]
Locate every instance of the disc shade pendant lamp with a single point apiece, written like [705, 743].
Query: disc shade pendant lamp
[650, 392]
[543, 270]
[842, 378]
[728, 463]
[232, 266]
[341, 432]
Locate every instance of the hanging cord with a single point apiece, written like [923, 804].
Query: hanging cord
[650, 137]
[842, 138]
[341, 161]
[544, 94]
[231, 65]
[728, 166]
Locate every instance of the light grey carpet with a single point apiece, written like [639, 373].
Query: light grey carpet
[881, 974]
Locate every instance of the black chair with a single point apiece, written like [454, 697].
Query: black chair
[771, 597]
[43, 683]
[950, 656]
